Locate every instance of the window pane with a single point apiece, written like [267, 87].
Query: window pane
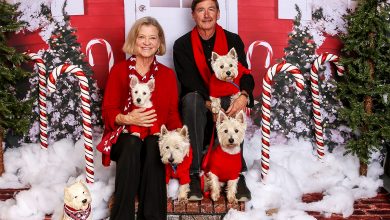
[186, 3]
[165, 3]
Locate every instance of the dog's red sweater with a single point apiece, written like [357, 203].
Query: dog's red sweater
[225, 166]
[182, 172]
[219, 88]
[144, 131]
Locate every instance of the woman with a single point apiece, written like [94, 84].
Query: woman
[138, 165]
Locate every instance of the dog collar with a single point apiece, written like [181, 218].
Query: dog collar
[174, 168]
[76, 214]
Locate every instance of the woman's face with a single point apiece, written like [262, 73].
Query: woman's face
[147, 42]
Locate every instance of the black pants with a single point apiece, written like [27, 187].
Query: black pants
[200, 127]
[139, 170]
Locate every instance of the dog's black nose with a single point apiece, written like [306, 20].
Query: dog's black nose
[228, 73]
[170, 160]
[84, 201]
[231, 140]
[138, 100]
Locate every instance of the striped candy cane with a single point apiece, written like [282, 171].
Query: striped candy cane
[42, 99]
[108, 48]
[259, 43]
[266, 107]
[86, 111]
[315, 93]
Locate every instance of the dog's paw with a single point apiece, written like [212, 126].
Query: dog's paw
[232, 199]
[215, 196]
[182, 200]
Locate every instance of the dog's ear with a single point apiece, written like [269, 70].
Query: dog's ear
[221, 117]
[214, 56]
[240, 117]
[151, 85]
[163, 130]
[184, 131]
[67, 195]
[232, 53]
[133, 81]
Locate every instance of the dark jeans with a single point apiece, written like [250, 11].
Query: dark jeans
[200, 126]
[138, 170]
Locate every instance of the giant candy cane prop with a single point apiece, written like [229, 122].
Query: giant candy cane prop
[266, 107]
[259, 43]
[108, 48]
[315, 93]
[42, 99]
[86, 111]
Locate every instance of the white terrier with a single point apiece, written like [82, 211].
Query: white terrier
[141, 94]
[176, 154]
[225, 161]
[226, 71]
[77, 202]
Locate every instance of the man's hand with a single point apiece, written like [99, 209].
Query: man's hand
[237, 105]
[138, 116]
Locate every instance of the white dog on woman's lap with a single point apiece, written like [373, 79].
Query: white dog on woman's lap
[77, 202]
[176, 154]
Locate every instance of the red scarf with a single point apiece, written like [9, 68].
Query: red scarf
[77, 214]
[110, 138]
[220, 47]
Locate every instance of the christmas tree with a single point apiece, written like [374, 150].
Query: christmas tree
[365, 87]
[14, 110]
[292, 114]
[64, 105]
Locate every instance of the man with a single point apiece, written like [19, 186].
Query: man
[192, 56]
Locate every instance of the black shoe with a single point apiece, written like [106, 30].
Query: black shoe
[243, 194]
[195, 193]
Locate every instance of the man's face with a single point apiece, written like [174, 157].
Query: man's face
[206, 15]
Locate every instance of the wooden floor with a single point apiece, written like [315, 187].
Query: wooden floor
[377, 208]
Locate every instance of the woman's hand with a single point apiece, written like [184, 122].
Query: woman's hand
[237, 105]
[138, 116]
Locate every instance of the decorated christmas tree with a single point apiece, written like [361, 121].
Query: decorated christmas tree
[365, 87]
[292, 111]
[64, 105]
[14, 109]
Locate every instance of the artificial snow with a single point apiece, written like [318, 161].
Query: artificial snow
[294, 171]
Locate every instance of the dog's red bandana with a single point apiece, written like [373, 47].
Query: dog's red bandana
[182, 171]
[220, 47]
[77, 214]
[110, 138]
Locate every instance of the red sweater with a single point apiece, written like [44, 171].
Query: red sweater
[144, 131]
[225, 166]
[219, 88]
[164, 98]
[182, 172]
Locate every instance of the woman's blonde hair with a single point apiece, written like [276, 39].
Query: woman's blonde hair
[129, 45]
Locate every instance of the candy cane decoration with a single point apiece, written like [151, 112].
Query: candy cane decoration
[266, 108]
[259, 43]
[108, 48]
[42, 99]
[315, 93]
[86, 111]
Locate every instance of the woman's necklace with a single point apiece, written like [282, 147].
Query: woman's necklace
[142, 69]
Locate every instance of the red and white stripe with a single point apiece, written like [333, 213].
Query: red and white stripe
[42, 99]
[259, 43]
[108, 48]
[86, 111]
[315, 93]
[266, 109]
